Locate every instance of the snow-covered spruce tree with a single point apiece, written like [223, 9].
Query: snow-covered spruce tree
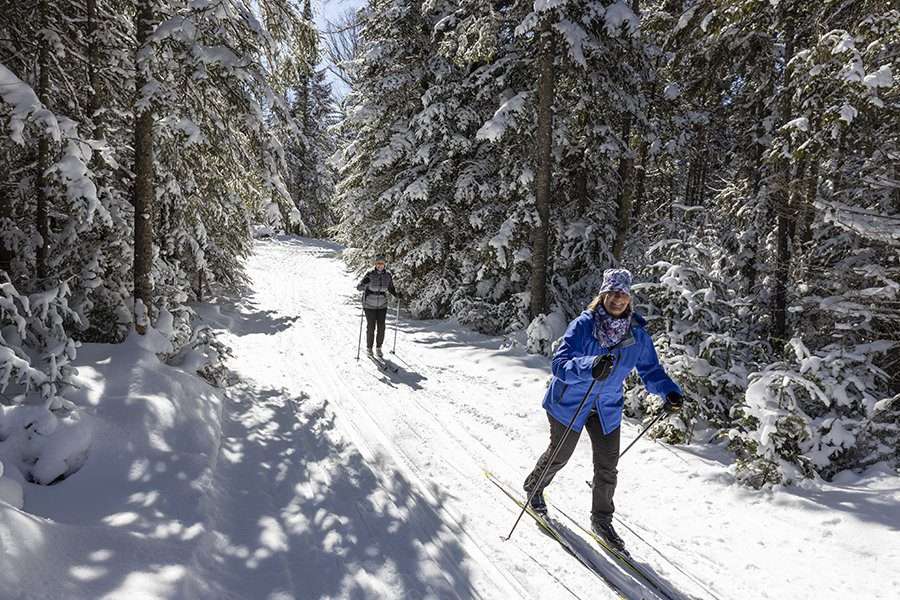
[310, 175]
[446, 200]
[705, 338]
[377, 161]
[774, 207]
[687, 237]
[827, 407]
[603, 120]
[102, 291]
[310, 178]
[215, 79]
[499, 48]
[48, 201]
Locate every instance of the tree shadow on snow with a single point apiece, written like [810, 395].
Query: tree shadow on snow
[309, 504]
[133, 516]
[878, 506]
[871, 504]
[322, 248]
[243, 315]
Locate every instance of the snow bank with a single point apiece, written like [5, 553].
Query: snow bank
[10, 489]
[126, 479]
[544, 331]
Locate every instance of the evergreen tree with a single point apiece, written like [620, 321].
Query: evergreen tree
[377, 164]
[739, 156]
[124, 126]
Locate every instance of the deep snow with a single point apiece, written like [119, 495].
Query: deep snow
[319, 476]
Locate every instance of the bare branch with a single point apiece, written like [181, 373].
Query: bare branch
[341, 42]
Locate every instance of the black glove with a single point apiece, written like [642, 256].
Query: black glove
[602, 367]
[674, 402]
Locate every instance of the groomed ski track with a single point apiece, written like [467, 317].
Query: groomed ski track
[429, 524]
[420, 441]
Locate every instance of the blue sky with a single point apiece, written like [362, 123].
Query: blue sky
[326, 10]
[331, 9]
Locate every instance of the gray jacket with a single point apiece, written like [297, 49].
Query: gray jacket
[375, 286]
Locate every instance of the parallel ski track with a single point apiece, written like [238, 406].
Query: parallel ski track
[631, 565]
[362, 439]
[373, 439]
[547, 526]
[351, 409]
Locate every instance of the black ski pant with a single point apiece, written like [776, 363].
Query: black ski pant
[375, 317]
[605, 449]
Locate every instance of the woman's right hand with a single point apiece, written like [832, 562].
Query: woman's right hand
[602, 367]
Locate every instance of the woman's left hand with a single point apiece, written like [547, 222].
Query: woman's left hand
[674, 402]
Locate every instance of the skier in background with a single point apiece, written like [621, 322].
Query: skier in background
[603, 344]
[375, 286]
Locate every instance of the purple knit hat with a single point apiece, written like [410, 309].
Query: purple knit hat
[616, 280]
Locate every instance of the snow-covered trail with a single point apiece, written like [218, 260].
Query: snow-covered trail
[341, 480]
[418, 441]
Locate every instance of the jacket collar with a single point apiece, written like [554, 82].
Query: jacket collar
[636, 318]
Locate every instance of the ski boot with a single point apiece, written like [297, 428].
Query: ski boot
[378, 353]
[603, 527]
[537, 503]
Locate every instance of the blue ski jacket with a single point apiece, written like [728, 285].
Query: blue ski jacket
[572, 373]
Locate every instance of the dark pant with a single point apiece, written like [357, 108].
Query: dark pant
[375, 316]
[606, 456]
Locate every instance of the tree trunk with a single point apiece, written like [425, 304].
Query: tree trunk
[6, 254]
[307, 79]
[795, 200]
[700, 199]
[640, 179]
[785, 219]
[93, 60]
[749, 270]
[623, 210]
[581, 185]
[143, 178]
[809, 210]
[42, 219]
[625, 171]
[541, 233]
[690, 185]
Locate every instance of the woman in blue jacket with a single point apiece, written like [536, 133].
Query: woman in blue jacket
[602, 345]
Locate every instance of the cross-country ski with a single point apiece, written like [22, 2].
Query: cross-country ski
[385, 364]
[348, 299]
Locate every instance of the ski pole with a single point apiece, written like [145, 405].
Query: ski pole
[396, 324]
[540, 480]
[362, 312]
[646, 429]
